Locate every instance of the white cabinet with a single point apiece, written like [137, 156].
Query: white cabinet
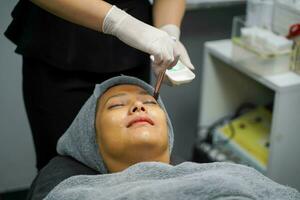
[232, 76]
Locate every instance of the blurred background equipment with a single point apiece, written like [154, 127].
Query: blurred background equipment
[241, 138]
[248, 138]
[285, 14]
[259, 40]
[259, 13]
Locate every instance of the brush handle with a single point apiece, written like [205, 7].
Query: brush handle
[159, 83]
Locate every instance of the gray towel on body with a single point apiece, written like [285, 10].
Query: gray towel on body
[153, 180]
[158, 181]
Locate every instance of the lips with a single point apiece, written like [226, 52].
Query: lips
[140, 119]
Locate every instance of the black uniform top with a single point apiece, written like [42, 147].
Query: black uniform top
[39, 34]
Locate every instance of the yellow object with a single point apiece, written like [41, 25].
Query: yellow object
[252, 133]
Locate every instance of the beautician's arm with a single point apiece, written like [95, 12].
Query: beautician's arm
[91, 13]
[168, 12]
[87, 13]
[167, 16]
[101, 16]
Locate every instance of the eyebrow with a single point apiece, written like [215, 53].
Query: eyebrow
[143, 92]
[124, 94]
[113, 96]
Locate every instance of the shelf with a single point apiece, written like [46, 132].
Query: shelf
[232, 76]
[271, 72]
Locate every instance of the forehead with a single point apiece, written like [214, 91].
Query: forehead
[126, 88]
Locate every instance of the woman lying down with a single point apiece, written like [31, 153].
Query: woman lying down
[123, 133]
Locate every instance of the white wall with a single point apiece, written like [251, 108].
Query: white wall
[17, 159]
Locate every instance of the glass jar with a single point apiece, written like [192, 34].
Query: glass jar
[294, 34]
[295, 56]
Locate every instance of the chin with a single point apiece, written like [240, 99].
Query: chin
[145, 135]
[149, 144]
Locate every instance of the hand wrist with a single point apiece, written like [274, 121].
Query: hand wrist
[172, 30]
[113, 17]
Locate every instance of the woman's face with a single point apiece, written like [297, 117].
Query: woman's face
[130, 125]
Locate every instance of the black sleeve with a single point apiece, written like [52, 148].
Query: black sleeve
[57, 170]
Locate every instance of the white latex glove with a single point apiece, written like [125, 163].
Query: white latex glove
[142, 36]
[174, 31]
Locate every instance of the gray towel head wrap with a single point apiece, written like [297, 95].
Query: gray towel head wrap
[79, 141]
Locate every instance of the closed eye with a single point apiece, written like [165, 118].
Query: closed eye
[150, 102]
[115, 106]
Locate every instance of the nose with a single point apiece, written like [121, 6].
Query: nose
[137, 106]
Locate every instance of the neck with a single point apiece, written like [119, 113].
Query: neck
[117, 165]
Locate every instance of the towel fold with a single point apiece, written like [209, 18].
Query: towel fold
[158, 181]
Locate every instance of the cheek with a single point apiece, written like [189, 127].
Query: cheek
[112, 128]
[159, 115]
[160, 120]
[112, 119]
